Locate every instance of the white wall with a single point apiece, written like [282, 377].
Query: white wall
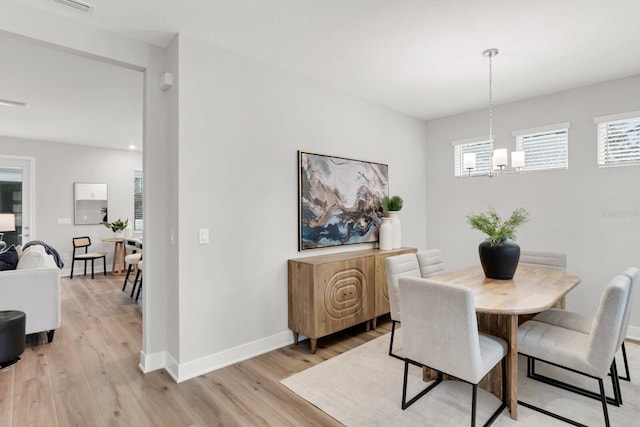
[57, 167]
[241, 123]
[569, 208]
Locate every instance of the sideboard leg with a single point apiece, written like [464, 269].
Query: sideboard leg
[367, 325]
[374, 323]
[295, 338]
[314, 343]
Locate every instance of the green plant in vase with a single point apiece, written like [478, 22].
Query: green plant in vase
[391, 206]
[499, 255]
[117, 225]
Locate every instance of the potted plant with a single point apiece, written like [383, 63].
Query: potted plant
[392, 206]
[499, 255]
[117, 226]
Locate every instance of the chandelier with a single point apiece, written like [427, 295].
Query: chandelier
[499, 158]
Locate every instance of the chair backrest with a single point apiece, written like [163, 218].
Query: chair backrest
[634, 274]
[81, 242]
[555, 260]
[439, 326]
[430, 262]
[396, 267]
[607, 324]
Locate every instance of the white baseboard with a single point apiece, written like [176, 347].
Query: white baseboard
[228, 357]
[633, 333]
[154, 361]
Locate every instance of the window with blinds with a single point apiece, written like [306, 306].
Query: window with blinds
[137, 200]
[545, 148]
[619, 139]
[483, 150]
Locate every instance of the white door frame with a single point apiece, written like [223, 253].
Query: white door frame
[28, 166]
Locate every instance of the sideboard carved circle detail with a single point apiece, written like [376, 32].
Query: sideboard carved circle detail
[343, 293]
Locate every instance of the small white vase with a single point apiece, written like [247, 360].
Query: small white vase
[396, 227]
[385, 235]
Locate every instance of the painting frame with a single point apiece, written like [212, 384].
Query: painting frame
[339, 200]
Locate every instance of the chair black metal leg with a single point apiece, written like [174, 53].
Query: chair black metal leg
[626, 364]
[126, 278]
[603, 399]
[406, 404]
[474, 400]
[570, 387]
[73, 261]
[503, 405]
[615, 383]
[599, 396]
[92, 262]
[139, 289]
[393, 332]
[104, 265]
[85, 267]
[135, 282]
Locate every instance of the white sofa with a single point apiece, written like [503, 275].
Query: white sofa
[34, 288]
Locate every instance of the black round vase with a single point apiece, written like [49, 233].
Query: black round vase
[499, 261]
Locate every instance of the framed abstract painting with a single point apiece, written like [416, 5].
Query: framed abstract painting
[339, 200]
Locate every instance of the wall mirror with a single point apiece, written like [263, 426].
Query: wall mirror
[90, 203]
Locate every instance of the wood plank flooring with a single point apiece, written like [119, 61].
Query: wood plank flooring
[89, 375]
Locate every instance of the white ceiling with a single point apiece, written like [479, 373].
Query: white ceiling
[421, 57]
[70, 99]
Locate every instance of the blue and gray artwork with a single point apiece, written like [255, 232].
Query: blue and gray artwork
[340, 200]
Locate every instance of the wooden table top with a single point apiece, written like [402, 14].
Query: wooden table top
[532, 289]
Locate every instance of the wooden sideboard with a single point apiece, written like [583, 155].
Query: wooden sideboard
[329, 293]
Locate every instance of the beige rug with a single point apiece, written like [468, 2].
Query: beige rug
[363, 387]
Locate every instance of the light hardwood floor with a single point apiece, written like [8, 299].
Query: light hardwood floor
[89, 375]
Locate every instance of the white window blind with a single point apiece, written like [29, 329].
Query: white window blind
[619, 139]
[483, 150]
[545, 148]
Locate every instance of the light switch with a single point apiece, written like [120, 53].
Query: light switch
[203, 236]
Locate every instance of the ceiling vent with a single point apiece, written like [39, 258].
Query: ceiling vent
[78, 5]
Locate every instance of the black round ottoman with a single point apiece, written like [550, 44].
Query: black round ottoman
[12, 337]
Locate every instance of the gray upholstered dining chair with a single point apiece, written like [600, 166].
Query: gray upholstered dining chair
[430, 262]
[582, 323]
[396, 267]
[440, 331]
[589, 354]
[555, 260]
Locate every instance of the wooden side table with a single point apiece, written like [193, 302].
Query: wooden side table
[117, 268]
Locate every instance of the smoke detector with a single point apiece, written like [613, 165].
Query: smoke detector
[77, 5]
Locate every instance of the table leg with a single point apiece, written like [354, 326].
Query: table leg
[117, 268]
[512, 367]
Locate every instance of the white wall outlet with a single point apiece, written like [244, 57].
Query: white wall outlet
[203, 236]
[65, 256]
[64, 221]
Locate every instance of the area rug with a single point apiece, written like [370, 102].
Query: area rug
[363, 387]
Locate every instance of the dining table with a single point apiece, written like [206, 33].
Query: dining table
[121, 244]
[500, 303]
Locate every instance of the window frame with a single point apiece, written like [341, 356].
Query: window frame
[605, 121]
[458, 154]
[542, 131]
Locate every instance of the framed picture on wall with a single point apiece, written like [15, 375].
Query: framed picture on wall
[339, 200]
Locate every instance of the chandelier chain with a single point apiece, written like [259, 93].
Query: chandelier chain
[490, 98]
